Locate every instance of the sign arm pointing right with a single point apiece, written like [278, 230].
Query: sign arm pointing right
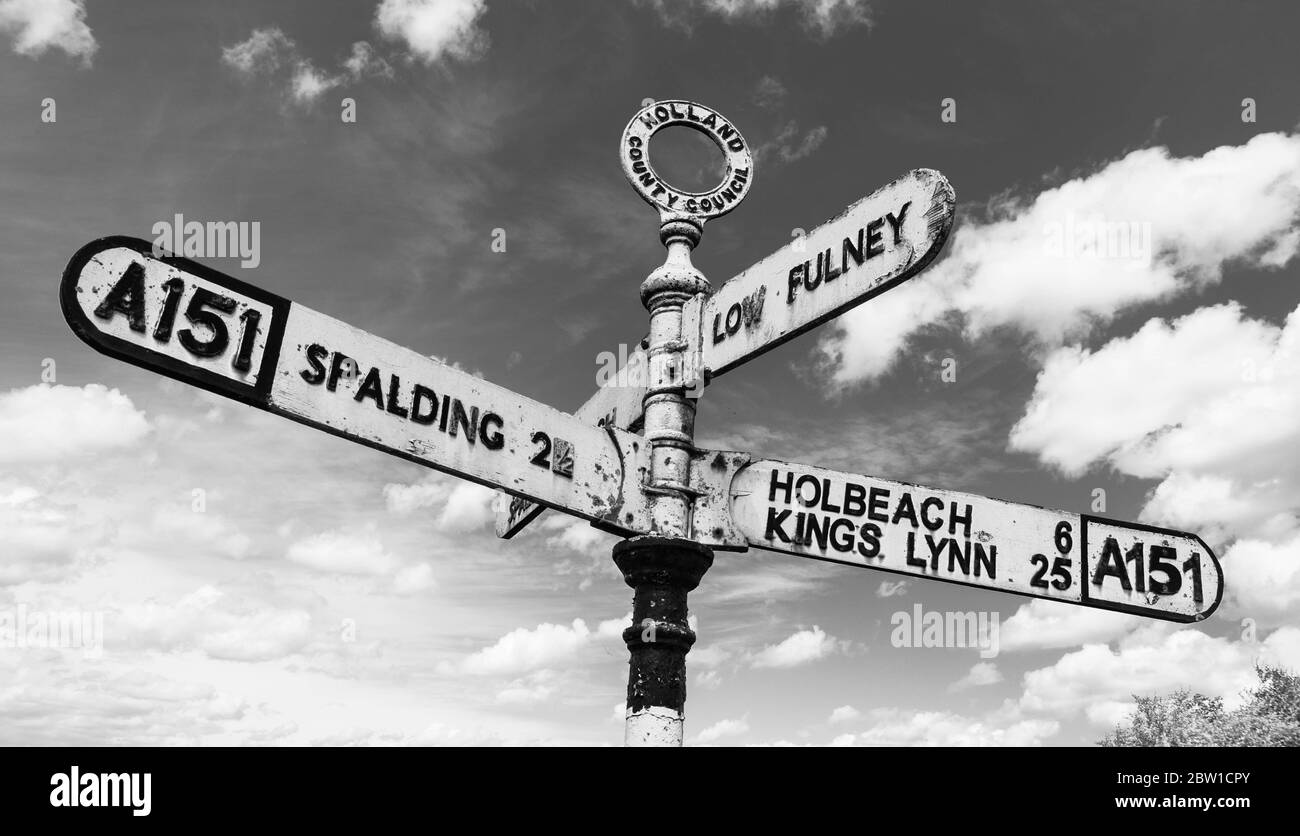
[976, 541]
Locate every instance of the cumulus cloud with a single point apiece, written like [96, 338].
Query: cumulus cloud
[207, 620]
[1185, 387]
[468, 508]
[980, 675]
[1099, 681]
[1042, 625]
[1055, 265]
[844, 714]
[901, 727]
[1209, 409]
[263, 51]
[581, 537]
[40, 25]
[523, 650]
[536, 687]
[412, 580]
[434, 29]
[43, 538]
[344, 552]
[821, 17]
[800, 648]
[722, 729]
[464, 506]
[45, 423]
[1262, 580]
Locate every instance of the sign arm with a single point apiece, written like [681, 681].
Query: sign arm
[976, 541]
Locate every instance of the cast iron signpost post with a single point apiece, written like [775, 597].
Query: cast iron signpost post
[673, 503]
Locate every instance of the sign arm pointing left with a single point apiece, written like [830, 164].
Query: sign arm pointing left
[192, 323]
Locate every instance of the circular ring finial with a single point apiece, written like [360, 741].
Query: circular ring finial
[700, 206]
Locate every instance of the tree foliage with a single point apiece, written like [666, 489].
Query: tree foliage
[1268, 716]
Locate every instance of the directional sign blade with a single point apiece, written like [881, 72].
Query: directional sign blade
[192, 323]
[878, 242]
[617, 403]
[973, 540]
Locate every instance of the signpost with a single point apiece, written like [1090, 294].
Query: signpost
[674, 502]
[876, 244]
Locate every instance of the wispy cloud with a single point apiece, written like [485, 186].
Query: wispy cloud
[270, 53]
[823, 18]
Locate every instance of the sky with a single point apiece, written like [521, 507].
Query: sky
[262, 583]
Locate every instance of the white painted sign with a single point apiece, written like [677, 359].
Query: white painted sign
[199, 326]
[875, 244]
[977, 541]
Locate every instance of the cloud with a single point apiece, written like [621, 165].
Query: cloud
[468, 508]
[40, 25]
[434, 29]
[844, 714]
[412, 580]
[263, 51]
[1043, 625]
[44, 423]
[524, 650]
[581, 537]
[708, 657]
[821, 17]
[888, 589]
[44, 539]
[271, 53]
[363, 61]
[1209, 406]
[1210, 401]
[1056, 265]
[980, 675]
[1262, 580]
[1099, 682]
[902, 727]
[1178, 383]
[465, 506]
[344, 552]
[309, 84]
[721, 729]
[800, 648]
[769, 93]
[535, 688]
[208, 621]
[790, 144]
[432, 490]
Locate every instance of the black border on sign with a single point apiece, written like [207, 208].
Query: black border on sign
[1085, 519]
[137, 355]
